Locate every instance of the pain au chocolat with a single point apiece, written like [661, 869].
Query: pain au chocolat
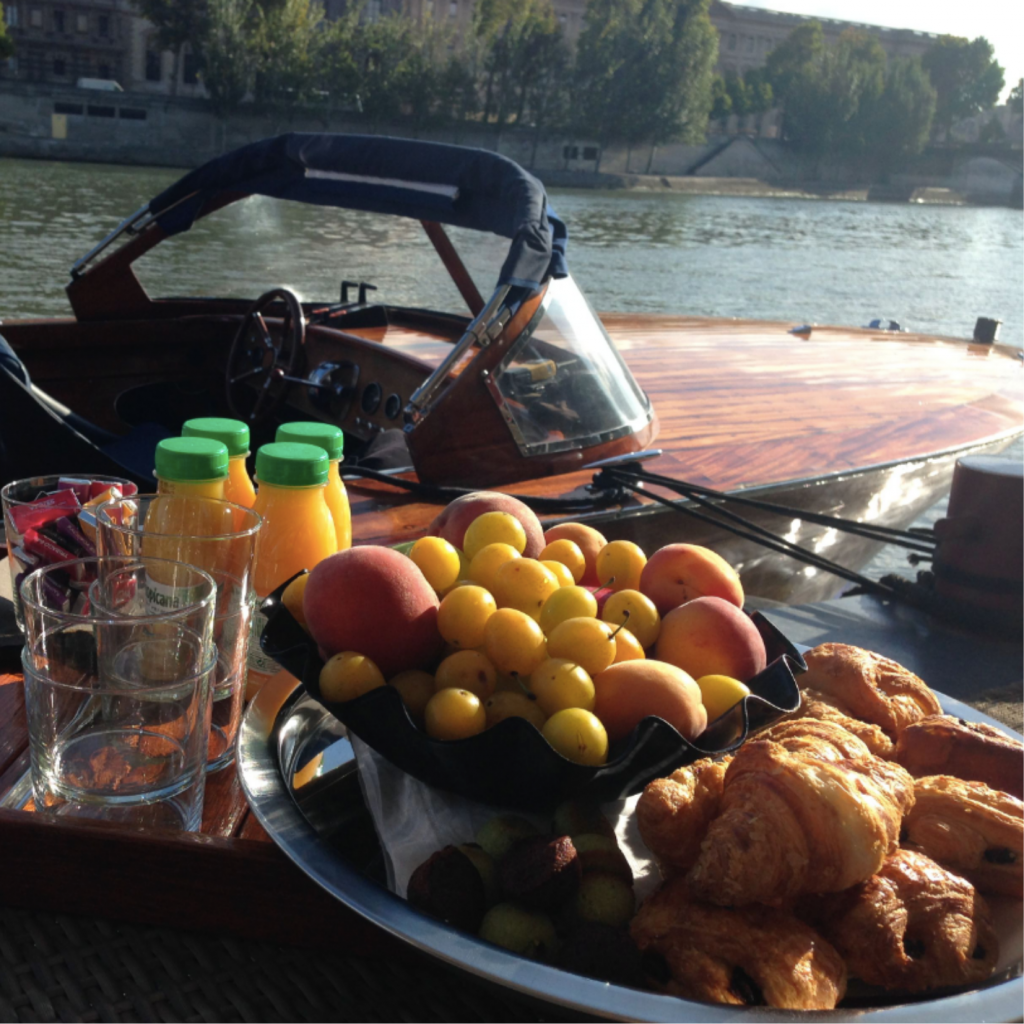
[868, 687]
[970, 828]
[944, 745]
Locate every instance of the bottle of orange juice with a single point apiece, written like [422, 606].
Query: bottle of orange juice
[182, 518]
[332, 440]
[235, 435]
[297, 532]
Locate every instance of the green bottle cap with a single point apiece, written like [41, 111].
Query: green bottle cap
[291, 465]
[233, 433]
[323, 435]
[188, 459]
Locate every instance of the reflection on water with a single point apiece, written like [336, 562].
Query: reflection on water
[934, 269]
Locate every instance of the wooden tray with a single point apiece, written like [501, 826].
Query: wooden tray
[230, 877]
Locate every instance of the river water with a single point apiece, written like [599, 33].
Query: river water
[932, 268]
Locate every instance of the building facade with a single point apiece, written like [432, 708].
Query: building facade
[61, 41]
[746, 35]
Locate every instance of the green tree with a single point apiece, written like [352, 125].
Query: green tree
[228, 58]
[760, 95]
[383, 49]
[644, 70]
[1015, 100]
[721, 101]
[828, 102]
[339, 70]
[966, 78]
[287, 40]
[517, 36]
[900, 122]
[789, 63]
[178, 23]
[738, 93]
[6, 42]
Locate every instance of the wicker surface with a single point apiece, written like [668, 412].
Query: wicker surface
[56, 968]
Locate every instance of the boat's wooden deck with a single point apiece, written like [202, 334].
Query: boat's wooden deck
[745, 403]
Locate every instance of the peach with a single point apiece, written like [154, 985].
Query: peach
[452, 521]
[589, 541]
[711, 637]
[629, 691]
[375, 601]
[678, 573]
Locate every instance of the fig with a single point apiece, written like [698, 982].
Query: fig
[540, 872]
[449, 887]
[484, 863]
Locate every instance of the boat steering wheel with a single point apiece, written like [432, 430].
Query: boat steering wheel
[262, 362]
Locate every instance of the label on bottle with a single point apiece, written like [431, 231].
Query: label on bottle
[163, 597]
[258, 660]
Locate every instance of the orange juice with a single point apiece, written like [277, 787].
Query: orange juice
[235, 435]
[188, 470]
[332, 440]
[297, 532]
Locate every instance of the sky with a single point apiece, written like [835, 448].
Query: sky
[993, 19]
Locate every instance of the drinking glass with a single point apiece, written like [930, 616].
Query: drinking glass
[60, 539]
[118, 702]
[187, 529]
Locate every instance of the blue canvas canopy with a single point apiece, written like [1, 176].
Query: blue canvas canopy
[471, 188]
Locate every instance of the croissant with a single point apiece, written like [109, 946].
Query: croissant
[944, 745]
[913, 926]
[869, 687]
[790, 823]
[971, 829]
[673, 814]
[816, 705]
[751, 956]
[816, 737]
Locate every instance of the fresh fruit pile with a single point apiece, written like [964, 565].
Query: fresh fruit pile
[489, 618]
[565, 897]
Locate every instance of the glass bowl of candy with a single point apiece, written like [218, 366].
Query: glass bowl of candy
[50, 519]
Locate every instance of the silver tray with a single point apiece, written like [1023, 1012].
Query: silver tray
[298, 773]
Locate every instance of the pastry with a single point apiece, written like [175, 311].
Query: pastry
[792, 823]
[673, 814]
[913, 926]
[867, 686]
[817, 738]
[944, 745]
[745, 957]
[973, 830]
[815, 705]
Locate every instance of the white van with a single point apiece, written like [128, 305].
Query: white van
[100, 84]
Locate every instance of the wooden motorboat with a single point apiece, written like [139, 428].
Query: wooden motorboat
[524, 391]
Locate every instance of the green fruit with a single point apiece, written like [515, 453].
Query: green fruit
[599, 853]
[605, 899]
[575, 817]
[484, 863]
[521, 931]
[497, 835]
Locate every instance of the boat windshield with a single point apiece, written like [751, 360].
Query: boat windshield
[563, 384]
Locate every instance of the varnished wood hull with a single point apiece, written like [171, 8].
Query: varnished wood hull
[854, 422]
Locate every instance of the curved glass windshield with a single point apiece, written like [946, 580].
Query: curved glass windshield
[563, 383]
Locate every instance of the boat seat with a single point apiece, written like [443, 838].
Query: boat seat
[39, 435]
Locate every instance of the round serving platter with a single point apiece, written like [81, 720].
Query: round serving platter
[298, 773]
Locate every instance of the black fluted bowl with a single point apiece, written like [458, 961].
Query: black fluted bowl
[512, 764]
